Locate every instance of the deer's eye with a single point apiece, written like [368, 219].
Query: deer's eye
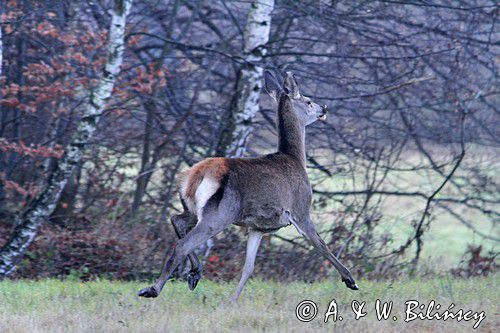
[309, 103]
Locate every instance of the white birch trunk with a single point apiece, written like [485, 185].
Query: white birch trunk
[28, 223]
[256, 36]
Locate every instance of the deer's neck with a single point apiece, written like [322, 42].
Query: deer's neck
[290, 132]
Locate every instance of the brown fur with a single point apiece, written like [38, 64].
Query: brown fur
[215, 168]
[263, 194]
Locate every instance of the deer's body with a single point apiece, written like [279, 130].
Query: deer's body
[262, 194]
[271, 189]
[268, 188]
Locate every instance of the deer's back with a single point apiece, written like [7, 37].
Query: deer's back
[267, 187]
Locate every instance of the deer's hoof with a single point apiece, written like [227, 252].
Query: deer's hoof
[193, 277]
[149, 292]
[350, 283]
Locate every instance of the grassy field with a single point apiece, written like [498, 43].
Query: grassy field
[107, 306]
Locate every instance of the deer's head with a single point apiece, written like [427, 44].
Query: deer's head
[305, 109]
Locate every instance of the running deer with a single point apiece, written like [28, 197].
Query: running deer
[263, 194]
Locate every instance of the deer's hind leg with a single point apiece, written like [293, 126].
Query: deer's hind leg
[217, 215]
[183, 223]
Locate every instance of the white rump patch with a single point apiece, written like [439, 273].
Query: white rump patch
[207, 188]
[183, 188]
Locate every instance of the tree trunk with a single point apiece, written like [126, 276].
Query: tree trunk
[248, 88]
[66, 205]
[1, 44]
[148, 165]
[2, 190]
[28, 222]
[245, 102]
[142, 177]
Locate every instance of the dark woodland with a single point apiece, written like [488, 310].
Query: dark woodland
[96, 125]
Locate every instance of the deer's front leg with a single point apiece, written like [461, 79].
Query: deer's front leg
[308, 230]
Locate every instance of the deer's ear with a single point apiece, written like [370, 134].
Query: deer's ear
[272, 86]
[290, 86]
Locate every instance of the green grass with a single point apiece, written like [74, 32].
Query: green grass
[107, 306]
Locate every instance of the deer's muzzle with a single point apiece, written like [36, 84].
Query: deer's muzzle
[324, 111]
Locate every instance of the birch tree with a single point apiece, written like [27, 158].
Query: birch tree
[245, 104]
[256, 36]
[29, 221]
